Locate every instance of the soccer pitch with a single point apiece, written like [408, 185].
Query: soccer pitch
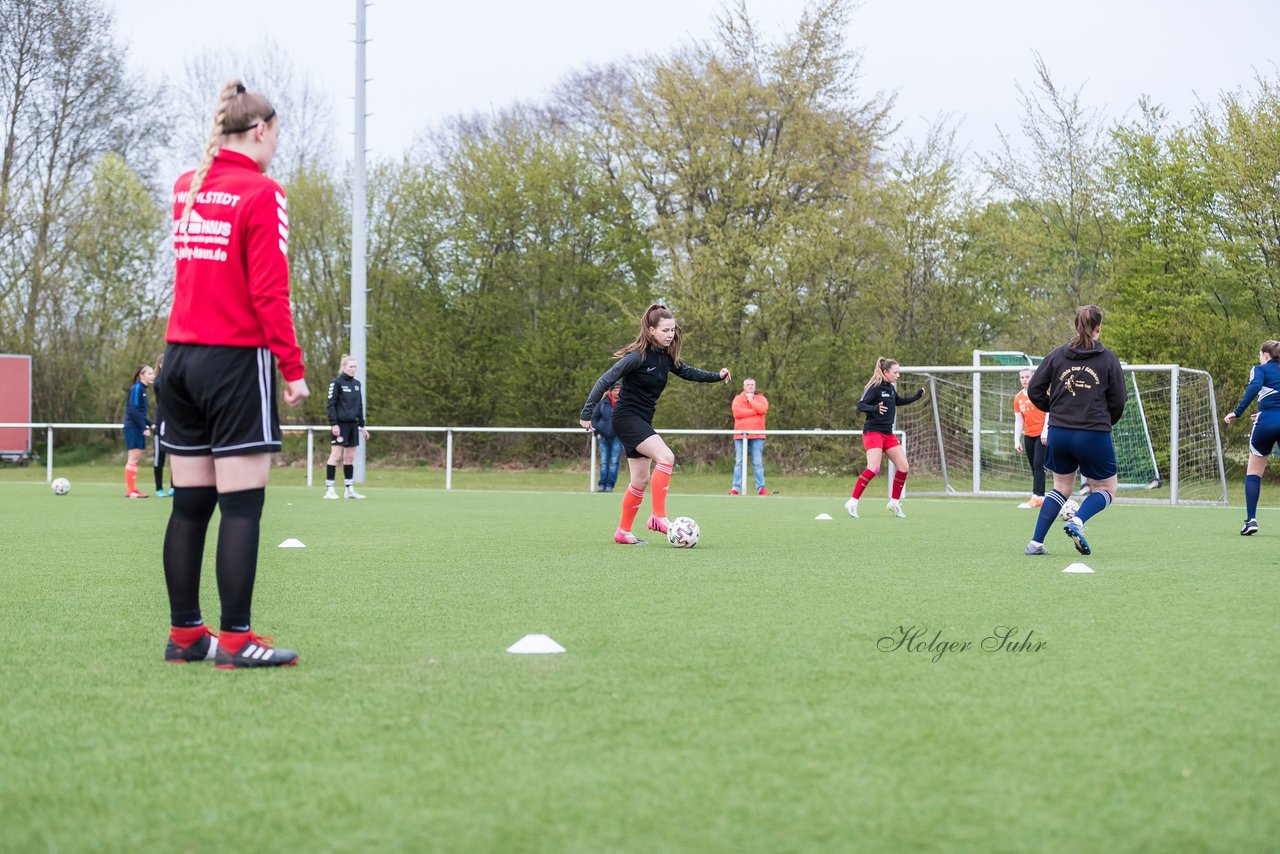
[771, 690]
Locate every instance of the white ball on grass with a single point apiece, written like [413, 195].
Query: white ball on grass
[683, 532]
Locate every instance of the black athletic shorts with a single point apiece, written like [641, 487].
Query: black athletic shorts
[348, 435]
[219, 401]
[632, 430]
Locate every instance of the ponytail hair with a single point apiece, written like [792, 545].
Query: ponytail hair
[138, 374]
[653, 315]
[877, 376]
[1272, 349]
[1088, 319]
[239, 111]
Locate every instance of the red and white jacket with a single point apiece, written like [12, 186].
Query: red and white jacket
[232, 283]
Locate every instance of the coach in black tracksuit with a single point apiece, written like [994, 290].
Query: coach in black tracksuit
[346, 422]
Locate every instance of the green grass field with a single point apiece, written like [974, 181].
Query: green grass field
[736, 697]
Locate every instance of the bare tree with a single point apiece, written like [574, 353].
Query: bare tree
[305, 109]
[66, 101]
[1059, 178]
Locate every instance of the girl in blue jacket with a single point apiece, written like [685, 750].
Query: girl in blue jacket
[137, 427]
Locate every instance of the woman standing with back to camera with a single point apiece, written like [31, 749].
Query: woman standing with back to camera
[230, 315]
[1081, 386]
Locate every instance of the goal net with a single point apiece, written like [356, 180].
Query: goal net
[961, 436]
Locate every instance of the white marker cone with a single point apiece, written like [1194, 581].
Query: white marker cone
[1077, 567]
[535, 644]
[291, 543]
[822, 517]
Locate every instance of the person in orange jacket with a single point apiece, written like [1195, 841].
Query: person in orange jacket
[749, 409]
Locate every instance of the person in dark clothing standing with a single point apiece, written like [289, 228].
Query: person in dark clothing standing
[157, 463]
[1081, 386]
[346, 419]
[642, 368]
[610, 445]
[137, 427]
[880, 401]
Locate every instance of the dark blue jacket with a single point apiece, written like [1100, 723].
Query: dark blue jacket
[135, 407]
[602, 419]
[1264, 383]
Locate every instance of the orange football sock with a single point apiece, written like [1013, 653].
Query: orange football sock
[631, 500]
[131, 478]
[661, 483]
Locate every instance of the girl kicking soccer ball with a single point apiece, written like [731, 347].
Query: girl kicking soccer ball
[642, 368]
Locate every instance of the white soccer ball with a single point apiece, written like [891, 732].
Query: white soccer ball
[1069, 509]
[683, 532]
[60, 486]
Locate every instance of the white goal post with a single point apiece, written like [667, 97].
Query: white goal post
[1168, 447]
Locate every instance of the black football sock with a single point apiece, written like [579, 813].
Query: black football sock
[238, 555]
[184, 548]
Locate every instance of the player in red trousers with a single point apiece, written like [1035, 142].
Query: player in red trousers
[230, 323]
[642, 368]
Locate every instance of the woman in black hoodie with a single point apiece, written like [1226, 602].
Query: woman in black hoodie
[1081, 386]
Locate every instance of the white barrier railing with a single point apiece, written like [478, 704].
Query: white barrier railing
[592, 474]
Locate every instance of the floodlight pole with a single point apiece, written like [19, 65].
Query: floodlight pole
[359, 290]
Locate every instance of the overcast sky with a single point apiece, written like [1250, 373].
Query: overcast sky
[429, 60]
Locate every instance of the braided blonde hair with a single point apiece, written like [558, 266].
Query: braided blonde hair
[238, 112]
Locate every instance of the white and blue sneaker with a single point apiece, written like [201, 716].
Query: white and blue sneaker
[1075, 530]
[1250, 528]
[1034, 548]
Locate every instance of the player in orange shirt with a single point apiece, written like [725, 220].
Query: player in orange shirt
[1029, 432]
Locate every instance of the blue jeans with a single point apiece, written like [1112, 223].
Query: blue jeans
[756, 448]
[610, 451]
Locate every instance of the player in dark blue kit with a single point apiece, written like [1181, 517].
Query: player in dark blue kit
[1081, 386]
[137, 427]
[1264, 384]
[642, 368]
